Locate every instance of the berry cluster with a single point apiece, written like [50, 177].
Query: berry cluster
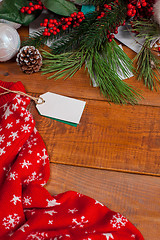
[32, 7]
[114, 30]
[54, 26]
[140, 8]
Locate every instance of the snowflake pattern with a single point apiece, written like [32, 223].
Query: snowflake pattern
[11, 221]
[9, 125]
[8, 144]
[43, 157]
[34, 176]
[14, 107]
[26, 128]
[27, 200]
[12, 176]
[2, 151]
[37, 236]
[108, 236]
[2, 137]
[15, 199]
[14, 135]
[51, 212]
[80, 223]
[118, 221]
[7, 113]
[22, 228]
[72, 210]
[52, 203]
[50, 222]
[25, 164]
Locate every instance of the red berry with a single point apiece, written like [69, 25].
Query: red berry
[30, 4]
[58, 30]
[22, 10]
[109, 39]
[63, 27]
[29, 11]
[129, 6]
[54, 32]
[46, 20]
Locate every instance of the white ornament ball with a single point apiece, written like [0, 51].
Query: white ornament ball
[13, 24]
[9, 42]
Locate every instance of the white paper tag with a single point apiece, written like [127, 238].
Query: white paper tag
[61, 107]
[129, 38]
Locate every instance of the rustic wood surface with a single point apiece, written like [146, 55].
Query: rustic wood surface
[113, 155]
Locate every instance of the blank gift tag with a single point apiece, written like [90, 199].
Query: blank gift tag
[61, 108]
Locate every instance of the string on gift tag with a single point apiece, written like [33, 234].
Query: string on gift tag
[35, 99]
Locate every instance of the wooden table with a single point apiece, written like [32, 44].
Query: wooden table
[113, 155]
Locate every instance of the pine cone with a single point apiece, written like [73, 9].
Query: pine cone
[29, 59]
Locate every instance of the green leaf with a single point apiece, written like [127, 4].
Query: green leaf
[10, 10]
[61, 7]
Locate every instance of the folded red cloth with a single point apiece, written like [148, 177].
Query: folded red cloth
[28, 211]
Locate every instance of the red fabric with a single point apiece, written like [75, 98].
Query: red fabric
[28, 211]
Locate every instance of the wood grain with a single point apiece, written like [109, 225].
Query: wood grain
[135, 196]
[78, 86]
[123, 138]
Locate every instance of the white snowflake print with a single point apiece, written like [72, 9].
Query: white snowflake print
[30, 152]
[27, 200]
[5, 106]
[133, 236]
[17, 121]
[33, 177]
[108, 236]
[1, 129]
[8, 144]
[25, 164]
[15, 199]
[52, 203]
[7, 113]
[2, 151]
[37, 236]
[97, 202]
[80, 224]
[80, 194]
[14, 107]
[35, 130]
[25, 128]
[18, 98]
[2, 137]
[51, 212]
[14, 135]
[43, 157]
[22, 228]
[11, 221]
[12, 176]
[72, 210]
[26, 119]
[9, 125]
[118, 221]
[50, 222]
[60, 237]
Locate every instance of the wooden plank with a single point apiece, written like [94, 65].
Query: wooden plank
[123, 138]
[77, 86]
[135, 196]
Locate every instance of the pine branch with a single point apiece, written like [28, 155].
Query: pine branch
[148, 63]
[92, 32]
[103, 63]
[36, 39]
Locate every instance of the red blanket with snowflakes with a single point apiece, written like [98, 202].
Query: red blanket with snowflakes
[28, 211]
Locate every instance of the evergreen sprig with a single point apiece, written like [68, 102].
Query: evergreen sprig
[148, 63]
[102, 63]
